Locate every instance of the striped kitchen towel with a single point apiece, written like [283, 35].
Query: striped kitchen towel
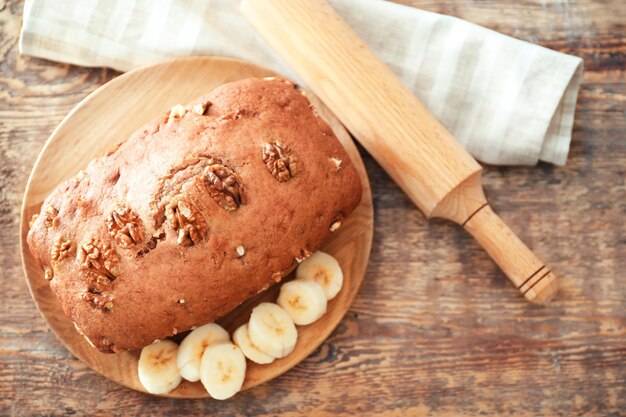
[507, 101]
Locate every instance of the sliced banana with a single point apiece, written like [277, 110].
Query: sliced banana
[304, 300]
[323, 269]
[158, 372]
[249, 349]
[223, 370]
[272, 330]
[193, 346]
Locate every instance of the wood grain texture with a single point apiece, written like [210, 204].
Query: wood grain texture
[418, 340]
[116, 111]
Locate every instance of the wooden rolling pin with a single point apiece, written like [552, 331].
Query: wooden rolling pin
[387, 119]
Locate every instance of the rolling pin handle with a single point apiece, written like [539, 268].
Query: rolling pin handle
[529, 275]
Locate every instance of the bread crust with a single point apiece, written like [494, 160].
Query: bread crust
[196, 212]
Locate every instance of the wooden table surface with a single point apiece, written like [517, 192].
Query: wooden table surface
[420, 339]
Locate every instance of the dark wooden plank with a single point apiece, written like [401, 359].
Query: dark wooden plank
[419, 340]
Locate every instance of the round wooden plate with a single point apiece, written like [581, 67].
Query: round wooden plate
[112, 113]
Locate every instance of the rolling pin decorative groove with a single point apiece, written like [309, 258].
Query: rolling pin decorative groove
[439, 176]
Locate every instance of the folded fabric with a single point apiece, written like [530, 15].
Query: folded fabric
[507, 101]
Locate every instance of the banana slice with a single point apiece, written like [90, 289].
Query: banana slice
[222, 370]
[272, 330]
[323, 269]
[249, 349]
[193, 346]
[158, 372]
[305, 301]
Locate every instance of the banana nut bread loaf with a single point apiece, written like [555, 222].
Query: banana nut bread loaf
[193, 214]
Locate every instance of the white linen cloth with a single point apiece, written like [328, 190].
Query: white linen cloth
[507, 101]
